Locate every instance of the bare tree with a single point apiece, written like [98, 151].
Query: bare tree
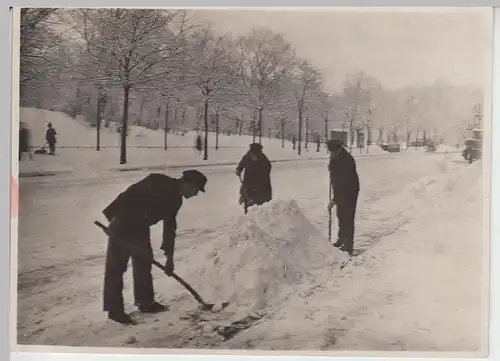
[265, 61]
[305, 83]
[212, 70]
[46, 59]
[357, 93]
[144, 46]
[37, 42]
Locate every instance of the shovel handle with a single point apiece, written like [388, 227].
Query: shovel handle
[105, 229]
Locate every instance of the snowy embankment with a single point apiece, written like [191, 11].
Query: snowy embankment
[86, 160]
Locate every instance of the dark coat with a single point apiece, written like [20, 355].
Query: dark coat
[198, 143]
[24, 140]
[50, 136]
[257, 178]
[344, 178]
[155, 198]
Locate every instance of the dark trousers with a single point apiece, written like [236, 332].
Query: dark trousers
[52, 148]
[346, 213]
[117, 258]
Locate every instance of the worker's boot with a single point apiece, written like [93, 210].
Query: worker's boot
[348, 246]
[121, 317]
[338, 243]
[155, 307]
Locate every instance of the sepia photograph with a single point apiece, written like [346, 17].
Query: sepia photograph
[265, 179]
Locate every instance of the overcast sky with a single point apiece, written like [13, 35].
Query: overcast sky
[398, 48]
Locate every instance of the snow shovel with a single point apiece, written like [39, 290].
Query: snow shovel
[204, 306]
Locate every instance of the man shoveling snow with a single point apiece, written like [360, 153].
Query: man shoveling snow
[256, 184]
[155, 198]
[345, 184]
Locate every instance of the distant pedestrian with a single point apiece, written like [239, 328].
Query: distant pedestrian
[318, 143]
[50, 138]
[294, 141]
[197, 144]
[24, 141]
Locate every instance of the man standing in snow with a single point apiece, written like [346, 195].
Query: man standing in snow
[345, 185]
[197, 144]
[155, 198]
[50, 138]
[256, 185]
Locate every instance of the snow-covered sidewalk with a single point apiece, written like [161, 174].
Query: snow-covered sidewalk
[86, 161]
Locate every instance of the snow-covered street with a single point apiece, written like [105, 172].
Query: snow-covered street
[417, 284]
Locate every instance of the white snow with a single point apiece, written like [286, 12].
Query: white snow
[263, 257]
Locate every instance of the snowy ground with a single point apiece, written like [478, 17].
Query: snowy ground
[417, 284]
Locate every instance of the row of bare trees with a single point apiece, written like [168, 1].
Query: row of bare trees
[142, 62]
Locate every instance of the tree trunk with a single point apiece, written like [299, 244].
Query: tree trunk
[98, 123]
[165, 130]
[307, 132]
[199, 115]
[326, 127]
[124, 130]
[260, 126]
[141, 112]
[282, 134]
[77, 107]
[183, 118]
[240, 130]
[254, 129]
[351, 138]
[368, 138]
[300, 132]
[216, 131]
[205, 118]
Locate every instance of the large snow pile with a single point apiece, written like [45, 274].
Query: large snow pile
[266, 255]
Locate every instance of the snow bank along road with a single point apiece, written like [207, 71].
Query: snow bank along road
[61, 261]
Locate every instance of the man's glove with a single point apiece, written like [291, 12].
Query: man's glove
[238, 172]
[331, 204]
[169, 267]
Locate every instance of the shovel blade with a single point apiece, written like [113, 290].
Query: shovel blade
[210, 306]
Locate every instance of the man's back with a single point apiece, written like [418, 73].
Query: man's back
[148, 201]
[343, 172]
[50, 135]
